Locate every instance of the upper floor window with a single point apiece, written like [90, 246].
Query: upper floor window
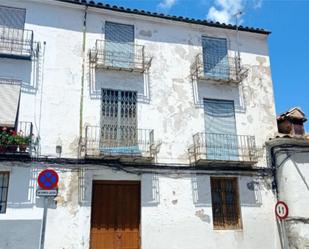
[215, 58]
[4, 184]
[12, 17]
[119, 45]
[220, 129]
[225, 203]
[119, 122]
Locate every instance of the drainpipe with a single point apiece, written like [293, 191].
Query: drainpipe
[281, 224]
[81, 107]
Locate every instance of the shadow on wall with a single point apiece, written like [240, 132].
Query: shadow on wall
[219, 91]
[249, 191]
[22, 189]
[29, 72]
[150, 190]
[99, 78]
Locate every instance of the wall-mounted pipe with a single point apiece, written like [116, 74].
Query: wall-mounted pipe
[81, 107]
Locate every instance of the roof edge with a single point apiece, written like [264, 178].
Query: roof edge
[163, 16]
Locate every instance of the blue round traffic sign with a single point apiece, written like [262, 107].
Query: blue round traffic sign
[48, 179]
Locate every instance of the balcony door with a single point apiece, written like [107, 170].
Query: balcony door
[220, 134]
[215, 58]
[119, 122]
[119, 45]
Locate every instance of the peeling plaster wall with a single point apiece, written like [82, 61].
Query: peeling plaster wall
[293, 188]
[166, 94]
[175, 209]
[172, 205]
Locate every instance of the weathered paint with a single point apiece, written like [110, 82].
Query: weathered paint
[175, 208]
[292, 166]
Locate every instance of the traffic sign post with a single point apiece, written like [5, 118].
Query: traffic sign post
[48, 182]
[282, 212]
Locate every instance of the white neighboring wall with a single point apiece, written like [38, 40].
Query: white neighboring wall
[293, 187]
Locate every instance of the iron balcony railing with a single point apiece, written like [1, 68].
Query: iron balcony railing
[16, 43]
[119, 56]
[124, 141]
[16, 141]
[213, 147]
[227, 69]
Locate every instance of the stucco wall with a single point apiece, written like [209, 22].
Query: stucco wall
[175, 209]
[293, 188]
[169, 101]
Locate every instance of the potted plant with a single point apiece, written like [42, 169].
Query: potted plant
[4, 136]
[23, 142]
[12, 142]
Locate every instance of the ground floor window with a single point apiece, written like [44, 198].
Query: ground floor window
[225, 203]
[4, 184]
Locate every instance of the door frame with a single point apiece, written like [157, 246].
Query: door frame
[118, 182]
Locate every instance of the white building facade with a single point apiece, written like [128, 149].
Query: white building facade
[156, 126]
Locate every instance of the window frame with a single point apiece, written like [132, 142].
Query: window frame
[238, 216]
[4, 202]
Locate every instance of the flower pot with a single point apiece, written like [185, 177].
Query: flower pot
[23, 147]
[12, 148]
[2, 149]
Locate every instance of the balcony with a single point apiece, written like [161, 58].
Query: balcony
[16, 43]
[222, 149]
[127, 145]
[225, 70]
[119, 56]
[16, 142]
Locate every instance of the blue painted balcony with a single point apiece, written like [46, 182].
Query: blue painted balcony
[124, 143]
[222, 149]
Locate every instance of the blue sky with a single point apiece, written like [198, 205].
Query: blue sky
[287, 19]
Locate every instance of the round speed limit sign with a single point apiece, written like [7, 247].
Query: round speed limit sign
[282, 210]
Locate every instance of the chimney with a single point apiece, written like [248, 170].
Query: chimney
[292, 122]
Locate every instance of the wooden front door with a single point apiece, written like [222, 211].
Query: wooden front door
[115, 216]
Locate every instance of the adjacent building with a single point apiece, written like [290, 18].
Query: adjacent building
[290, 159]
[156, 125]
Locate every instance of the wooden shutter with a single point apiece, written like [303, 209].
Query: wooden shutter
[12, 17]
[225, 203]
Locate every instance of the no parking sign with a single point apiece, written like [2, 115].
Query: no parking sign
[48, 182]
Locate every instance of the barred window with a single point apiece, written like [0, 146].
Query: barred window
[119, 121]
[225, 203]
[4, 184]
